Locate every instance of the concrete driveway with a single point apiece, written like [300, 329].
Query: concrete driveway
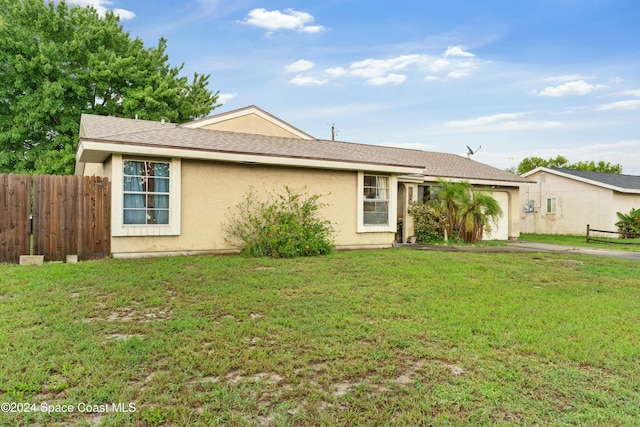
[520, 246]
[580, 250]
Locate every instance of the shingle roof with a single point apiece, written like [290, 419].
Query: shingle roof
[629, 182]
[169, 135]
[105, 126]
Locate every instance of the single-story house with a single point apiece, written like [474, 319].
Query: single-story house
[565, 201]
[174, 185]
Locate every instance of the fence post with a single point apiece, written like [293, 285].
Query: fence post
[587, 233]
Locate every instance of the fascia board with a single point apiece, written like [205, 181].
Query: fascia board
[101, 150]
[488, 182]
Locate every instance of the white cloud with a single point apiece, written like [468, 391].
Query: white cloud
[501, 122]
[439, 65]
[101, 6]
[345, 110]
[224, 97]
[125, 15]
[336, 72]
[299, 66]
[565, 78]
[513, 126]
[394, 79]
[288, 20]
[393, 71]
[301, 80]
[458, 74]
[485, 120]
[631, 104]
[571, 110]
[577, 88]
[630, 93]
[452, 68]
[458, 51]
[381, 71]
[630, 143]
[370, 68]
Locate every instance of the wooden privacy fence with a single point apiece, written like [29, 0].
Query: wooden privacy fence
[55, 216]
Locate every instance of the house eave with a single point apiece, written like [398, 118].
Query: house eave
[97, 151]
[478, 181]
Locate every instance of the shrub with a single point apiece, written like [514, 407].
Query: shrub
[430, 222]
[629, 225]
[283, 226]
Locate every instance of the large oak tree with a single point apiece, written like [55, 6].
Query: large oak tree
[58, 61]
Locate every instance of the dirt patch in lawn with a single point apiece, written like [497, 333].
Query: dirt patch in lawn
[134, 315]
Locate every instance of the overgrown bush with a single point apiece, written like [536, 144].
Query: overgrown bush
[429, 222]
[284, 225]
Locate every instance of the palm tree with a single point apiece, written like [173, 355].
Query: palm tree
[452, 196]
[477, 214]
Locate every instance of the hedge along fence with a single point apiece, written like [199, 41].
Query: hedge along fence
[61, 215]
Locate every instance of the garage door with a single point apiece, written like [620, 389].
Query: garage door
[501, 232]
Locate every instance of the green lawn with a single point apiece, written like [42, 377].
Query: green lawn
[395, 337]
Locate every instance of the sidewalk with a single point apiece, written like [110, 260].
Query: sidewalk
[520, 246]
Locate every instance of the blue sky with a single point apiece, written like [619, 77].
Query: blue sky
[519, 78]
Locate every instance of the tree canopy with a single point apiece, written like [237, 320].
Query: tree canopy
[530, 163]
[60, 61]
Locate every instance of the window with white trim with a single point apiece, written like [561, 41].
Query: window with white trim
[551, 205]
[377, 202]
[146, 196]
[146, 192]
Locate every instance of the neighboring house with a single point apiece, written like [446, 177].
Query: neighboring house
[564, 201]
[173, 186]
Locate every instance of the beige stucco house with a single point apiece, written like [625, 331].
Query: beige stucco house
[174, 185]
[564, 201]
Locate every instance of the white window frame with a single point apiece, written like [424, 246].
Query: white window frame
[551, 205]
[118, 228]
[392, 213]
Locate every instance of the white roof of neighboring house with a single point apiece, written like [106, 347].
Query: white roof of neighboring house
[613, 181]
[100, 136]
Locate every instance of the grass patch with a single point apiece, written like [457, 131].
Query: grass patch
[394, 337]
[568, 240]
